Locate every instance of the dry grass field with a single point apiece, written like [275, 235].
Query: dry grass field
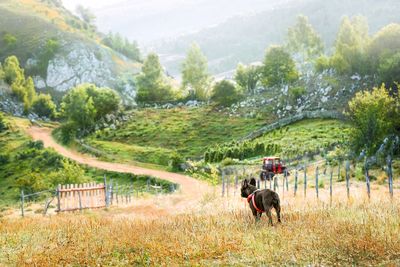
[217, 231]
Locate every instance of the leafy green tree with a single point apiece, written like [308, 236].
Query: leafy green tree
[195, 76]
[303, 39]
[248, 77]
[151, 82]
[389, 70]
[29, 94]
[106, 100]
[44, 106]
[12, 71]
[225, 93]
[122, 45]
[9, 39]
[373, 116]
[78, 107]
[279, 67]
[350, 46]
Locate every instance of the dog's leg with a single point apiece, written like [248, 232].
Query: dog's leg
[277, 208]
[268, 212]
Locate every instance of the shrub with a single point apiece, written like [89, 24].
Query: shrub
[4, 159]
[296, 92]
[9, 39]
[175, 161]
[3, 124]
[36, 144]
[44, 106]
[225, 93]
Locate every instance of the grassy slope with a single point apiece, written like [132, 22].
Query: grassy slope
[306, 136]
[15, 142]
[152, 134]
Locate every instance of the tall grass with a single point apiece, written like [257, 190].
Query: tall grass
[359, 233]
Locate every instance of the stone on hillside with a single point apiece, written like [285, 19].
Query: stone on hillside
[288, 107]
[324, 99]
[356, 77]
[113, 127]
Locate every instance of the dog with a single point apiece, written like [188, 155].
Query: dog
[261, 200]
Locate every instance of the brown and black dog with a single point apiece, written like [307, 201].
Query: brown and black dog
[261, 200]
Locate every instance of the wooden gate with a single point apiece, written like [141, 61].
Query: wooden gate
[72, 197]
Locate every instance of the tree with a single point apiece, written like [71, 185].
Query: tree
[350, 46]
[44, 106]
[373, 116]
[151, 82]
[12, 71]
[389, 70]
[279, 67]
[195, 76]
[29, 94]
[225, 93]
[106, 100]
[85, 14]
[78, 108]
[303, 39]
[248, 77]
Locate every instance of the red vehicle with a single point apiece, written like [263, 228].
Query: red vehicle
[270, 167]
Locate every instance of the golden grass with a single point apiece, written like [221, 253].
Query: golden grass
[351, 233]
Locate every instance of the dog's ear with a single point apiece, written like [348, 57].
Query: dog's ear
[253, 181]
[245, 182]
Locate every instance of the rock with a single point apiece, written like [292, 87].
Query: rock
[324, 99]
[356, 77]
[113, 127]
[288, 108]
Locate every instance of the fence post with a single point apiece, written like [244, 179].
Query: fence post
[348, 178]
[223, 184]
[111, 194]
[58, 198]
[270, 181]
[367, 181]
[79, 198]
[148, 185]
[287, 180]
[305, 180]
[105, 190]
[22, 203]
[316, 181]
[330, 187]
[116, 192]
[275, 183]
[390, 175]
[295, 182]
[236, 183]
[227, 185]
[338, 176]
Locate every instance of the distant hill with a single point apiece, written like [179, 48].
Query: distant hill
[244, 39]
[59, 49]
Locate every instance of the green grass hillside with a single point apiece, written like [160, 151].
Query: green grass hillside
[153, 134]
[26, 165]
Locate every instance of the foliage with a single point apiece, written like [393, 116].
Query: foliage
[9, 39]
[12, 71]
[322, 63]
[225, 93]
[307, 137]
[373, 116]
[296, 92]
[3, 124]
[279, 67]
[44, 106]
[350, 47]
[122, 45]
[248, 77]
[195, 76]
[152, 85]
[85, 14]
[389, 70]
[385, 42]
[303, 39]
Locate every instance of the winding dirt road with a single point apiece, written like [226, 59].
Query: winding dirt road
[191, 190]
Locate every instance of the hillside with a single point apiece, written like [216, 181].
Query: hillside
[244, 39]
[59, 49]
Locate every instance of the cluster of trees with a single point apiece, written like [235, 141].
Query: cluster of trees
[356, 51]
[122, 45]
[241, 151]
[375, 115]
[24, 90]
[83, 106]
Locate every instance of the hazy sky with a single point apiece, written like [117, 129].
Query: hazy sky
[150, 20]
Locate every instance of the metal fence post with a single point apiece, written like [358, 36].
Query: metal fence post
[390, 175]
[22, 203]
[316, 181]
[348, 178]
[58, 198]
[295, 182]
[305, 181]
[367, 182]
[105, 190]
[330, 187]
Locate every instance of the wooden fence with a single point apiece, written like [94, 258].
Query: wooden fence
[72, 197]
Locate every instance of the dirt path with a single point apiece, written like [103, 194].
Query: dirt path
[191, 190]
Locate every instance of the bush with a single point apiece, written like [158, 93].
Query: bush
[322, 63]
[9, 39]
[3, 124]
[296, 92]
[175, 162]
[68, 132]
[44, 106]
[36, 144]
[225, 93]
[4, 159]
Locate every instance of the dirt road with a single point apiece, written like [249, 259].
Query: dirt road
[191, 190]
